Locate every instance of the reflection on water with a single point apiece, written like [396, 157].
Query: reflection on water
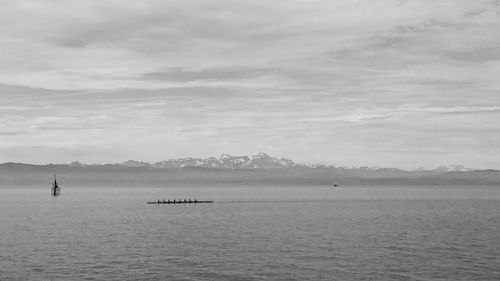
[251, 233]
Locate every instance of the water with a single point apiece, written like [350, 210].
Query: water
[251, 233]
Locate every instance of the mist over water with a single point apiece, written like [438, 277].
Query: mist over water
[251, 233]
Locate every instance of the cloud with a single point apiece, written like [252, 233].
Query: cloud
[11, 133]
[211, 74]
[461, 109]
[93, 43]
[339, 81]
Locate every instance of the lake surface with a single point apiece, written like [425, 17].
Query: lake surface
[251, 233]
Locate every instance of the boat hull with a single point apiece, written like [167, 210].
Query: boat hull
[179, 202]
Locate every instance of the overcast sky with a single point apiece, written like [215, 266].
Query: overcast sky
[387, 83]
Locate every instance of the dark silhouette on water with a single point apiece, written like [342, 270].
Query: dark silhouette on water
[56, 189]
[179, 201]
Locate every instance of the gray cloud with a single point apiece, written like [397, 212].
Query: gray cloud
[342, 82]
[11, 133]
[208, 74]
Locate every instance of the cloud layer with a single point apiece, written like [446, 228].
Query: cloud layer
[387, 83]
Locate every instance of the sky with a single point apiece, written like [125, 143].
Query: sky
[386, 83]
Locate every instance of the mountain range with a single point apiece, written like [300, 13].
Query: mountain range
[225, 161]
[260, 169]
[258, 161]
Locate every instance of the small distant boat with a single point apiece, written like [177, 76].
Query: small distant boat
[335, 184]
[56, 189]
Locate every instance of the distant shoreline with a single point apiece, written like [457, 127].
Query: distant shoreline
[24, 174]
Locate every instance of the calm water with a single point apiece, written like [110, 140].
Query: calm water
[251, 233]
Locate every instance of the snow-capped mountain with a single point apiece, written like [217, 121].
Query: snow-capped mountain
[259, 161]
[453, 168]
[225, 161]
[134, 164]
